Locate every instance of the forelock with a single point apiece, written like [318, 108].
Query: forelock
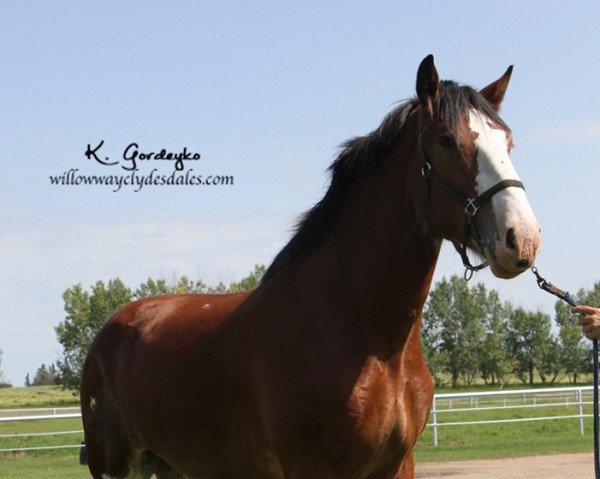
[455, 102]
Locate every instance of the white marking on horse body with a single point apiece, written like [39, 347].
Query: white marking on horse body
[206, 306]
[93, 404]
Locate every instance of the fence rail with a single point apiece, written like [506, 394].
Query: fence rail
[570, 397]
[456, 403]
[47, 411]
[31, 414]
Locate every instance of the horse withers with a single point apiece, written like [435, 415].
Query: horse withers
[318, 372]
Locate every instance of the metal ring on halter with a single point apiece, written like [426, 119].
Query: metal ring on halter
[426, 170]
[468, 274]
[471, 208]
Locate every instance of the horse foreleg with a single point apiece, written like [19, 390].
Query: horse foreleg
[407, 469]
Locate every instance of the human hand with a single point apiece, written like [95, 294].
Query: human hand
[589, 320]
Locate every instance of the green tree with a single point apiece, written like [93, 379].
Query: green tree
[436, 309]
[152, 288]
[75, 334]
[106, 300]
[430, 345]
[494, 359]
[453, 325]
[85, 314]
[550, 366]
[591, 297]
[245, 284]
[44, 376]
[532, 346]
[574, 350]
[249, 282]
[186, 286]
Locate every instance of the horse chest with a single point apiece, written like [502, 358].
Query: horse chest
[378, 407]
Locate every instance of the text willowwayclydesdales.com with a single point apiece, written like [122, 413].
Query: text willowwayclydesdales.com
[130, 175]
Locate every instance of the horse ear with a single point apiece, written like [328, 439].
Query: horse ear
[428, 82]
[494, 92]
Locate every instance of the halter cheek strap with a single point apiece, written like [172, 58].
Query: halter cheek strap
[470, 205]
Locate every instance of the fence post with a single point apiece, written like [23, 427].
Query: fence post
[435, 426]
[580, 403]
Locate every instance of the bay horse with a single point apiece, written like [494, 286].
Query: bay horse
[318, 372]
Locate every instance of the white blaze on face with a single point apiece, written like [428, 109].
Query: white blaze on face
[492, 153]
[510, 206]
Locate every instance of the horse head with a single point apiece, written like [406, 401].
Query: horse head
[473, 195]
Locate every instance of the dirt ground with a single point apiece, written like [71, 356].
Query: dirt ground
[560, 466]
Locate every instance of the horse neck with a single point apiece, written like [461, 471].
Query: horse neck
[378, 261]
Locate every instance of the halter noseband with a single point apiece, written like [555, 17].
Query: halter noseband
[470, 205]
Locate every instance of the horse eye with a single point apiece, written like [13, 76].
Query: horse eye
[447, 141]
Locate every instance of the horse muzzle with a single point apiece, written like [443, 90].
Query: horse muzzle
[513, 247]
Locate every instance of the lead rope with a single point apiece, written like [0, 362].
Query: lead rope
[565, 296]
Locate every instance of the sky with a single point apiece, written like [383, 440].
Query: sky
[265, 92]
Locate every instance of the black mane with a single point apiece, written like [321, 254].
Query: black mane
[361, 155]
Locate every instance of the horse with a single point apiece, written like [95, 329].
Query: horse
[318, 372]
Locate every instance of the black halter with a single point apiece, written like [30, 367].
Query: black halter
[471, 206]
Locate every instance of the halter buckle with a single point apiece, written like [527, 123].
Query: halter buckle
[471, 208]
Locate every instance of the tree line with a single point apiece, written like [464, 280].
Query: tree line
[468, 333]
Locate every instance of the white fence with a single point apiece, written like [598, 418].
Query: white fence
[571, 398]
[12, 415]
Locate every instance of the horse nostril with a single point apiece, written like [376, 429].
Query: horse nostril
[511, 238]
[523, 263]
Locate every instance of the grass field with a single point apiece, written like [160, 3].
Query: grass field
[505, 440]
[455, 442]
[37, 396]
[43, 466]
[55, 464]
